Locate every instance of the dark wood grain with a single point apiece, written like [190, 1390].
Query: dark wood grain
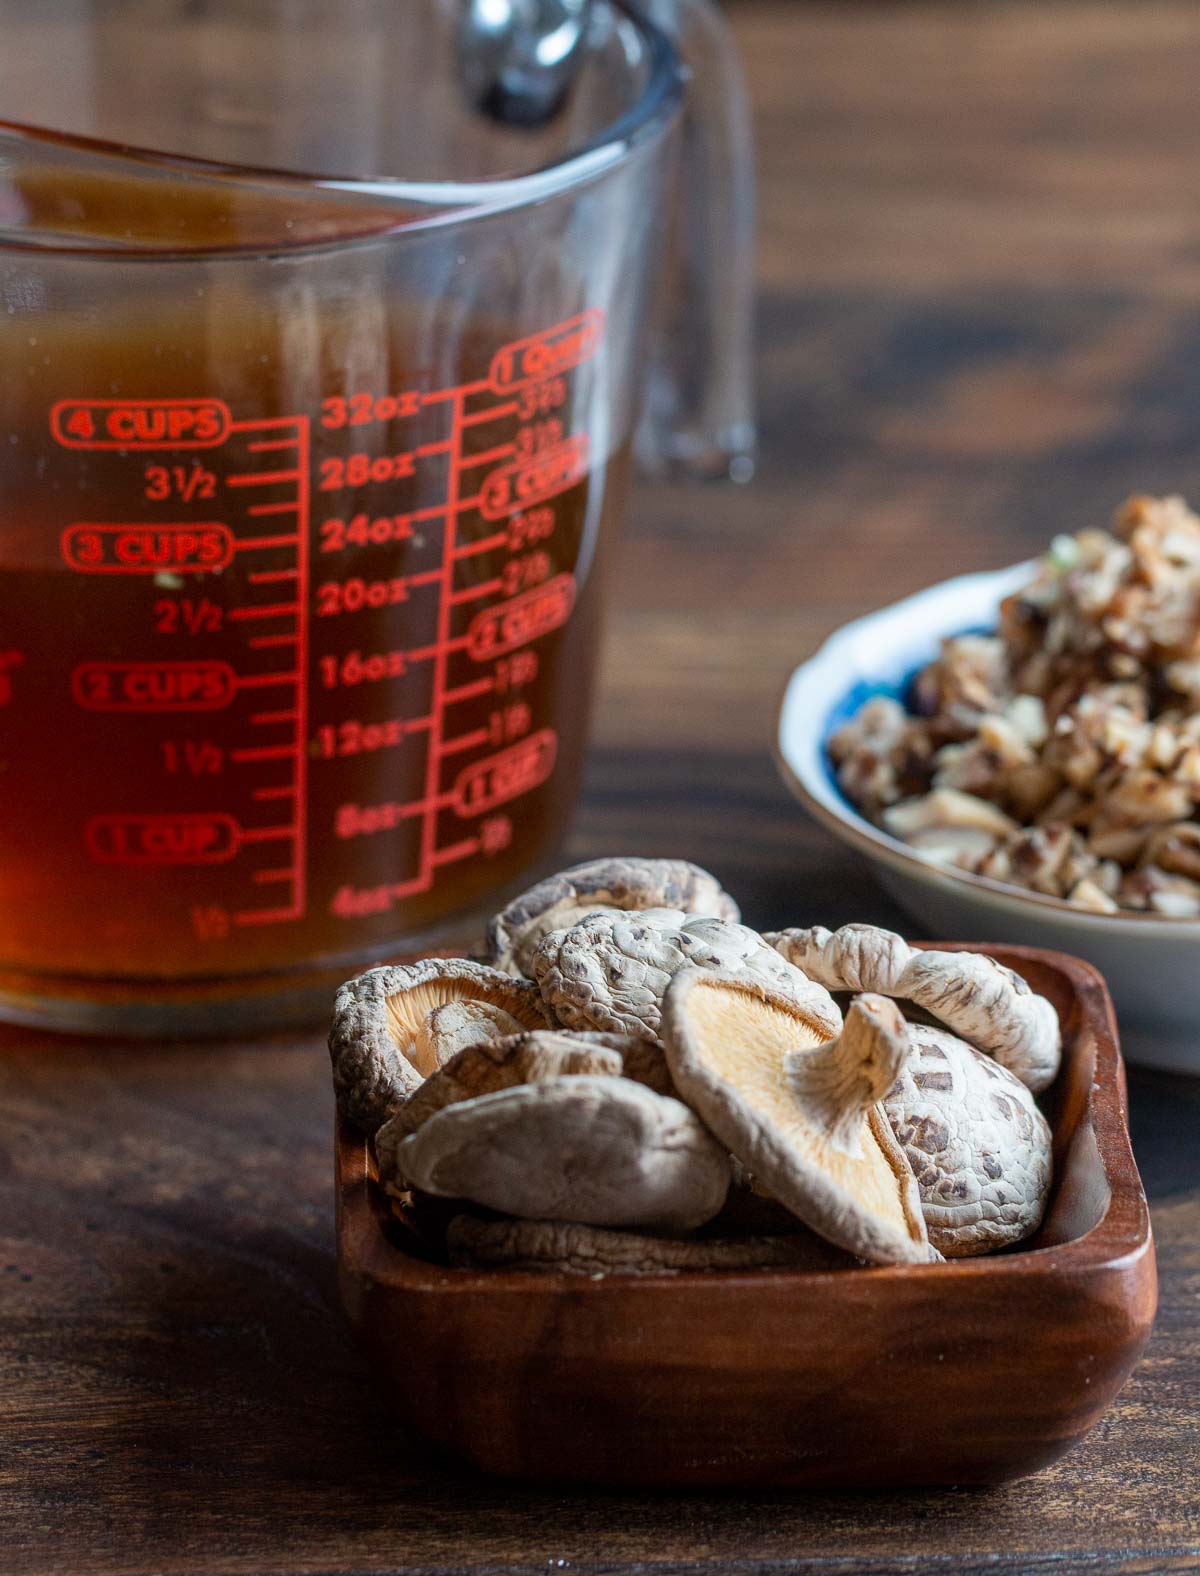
[980, 323]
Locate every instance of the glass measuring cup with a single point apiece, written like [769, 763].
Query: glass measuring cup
[308, 478]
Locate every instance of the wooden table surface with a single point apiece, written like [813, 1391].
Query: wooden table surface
[980, 323]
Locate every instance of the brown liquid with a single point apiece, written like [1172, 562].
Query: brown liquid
[261, 706]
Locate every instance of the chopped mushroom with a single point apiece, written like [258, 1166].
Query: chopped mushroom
[600, 886]
[387, 1034]
[970, 992]
[610, 971]
[554, 1246]
[976, 1141]
[801, 1111]
[597, 1150]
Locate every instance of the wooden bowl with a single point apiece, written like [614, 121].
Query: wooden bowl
[974, 1371]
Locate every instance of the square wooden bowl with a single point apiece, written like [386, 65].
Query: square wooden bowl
[974, 1371]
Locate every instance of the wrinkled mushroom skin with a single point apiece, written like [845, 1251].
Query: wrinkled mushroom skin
[381, 1034]
[556, 1247]
[971, 993]
[497, 1064]
[734, 1046]
[855, 957]
[991, 1007]
[978, 1145]
[602, 885]
[596, 1150]
[611, 971]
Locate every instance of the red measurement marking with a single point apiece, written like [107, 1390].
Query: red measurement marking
[283, 791]
[260, 680]
[266, 916]
[496, 413]
[273, 610]
[153, 686]
[265, 444]
[162, 839]
[262, 717]
[553, 351]
[465, 741]
[264, 752]
[463, 850]
[283, 507]
[495, 631]
[475, 592]
[285, 874]
[423, 653]
[507, 775]
[469, 691]
[502, 451]
[260, 641]
[146, 549]
[140, 423]
[486, 544]
[267, 834]
[265, 577]
[261, 478]
[252, 544]
[534, 481]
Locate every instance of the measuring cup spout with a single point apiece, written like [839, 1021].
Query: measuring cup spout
[698, 413]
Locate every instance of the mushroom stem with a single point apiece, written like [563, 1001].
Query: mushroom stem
[841, 1080]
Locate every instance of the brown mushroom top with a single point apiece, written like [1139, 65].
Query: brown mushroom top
[610, 971]
[600, 885]
[385, 1038]
[978, 1145]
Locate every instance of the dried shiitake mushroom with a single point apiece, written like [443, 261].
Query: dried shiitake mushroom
[555, 1246]
[610, 971]
[991, 1007]
[976, 1141]
[855, 957]
[601, 885]
[489, 1065]
[592, 1149]
[392, 1027]
[988, 1004]
[799, 1110]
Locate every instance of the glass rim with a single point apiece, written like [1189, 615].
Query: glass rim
[447, 202]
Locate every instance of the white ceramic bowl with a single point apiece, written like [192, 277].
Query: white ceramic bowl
[1152, 964]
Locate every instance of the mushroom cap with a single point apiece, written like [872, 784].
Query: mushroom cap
[498, 1064]
[555, 1246]
[990, 1006]
[611, 971]
[976, 997]
[599, 1150]
[734, 1049]
[380, 1042]
[601, 885]
[978, 1145]
[855, 957]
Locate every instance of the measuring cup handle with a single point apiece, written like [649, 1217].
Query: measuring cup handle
[698, 413]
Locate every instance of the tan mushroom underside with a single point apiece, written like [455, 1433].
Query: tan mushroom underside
[728, 1043]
